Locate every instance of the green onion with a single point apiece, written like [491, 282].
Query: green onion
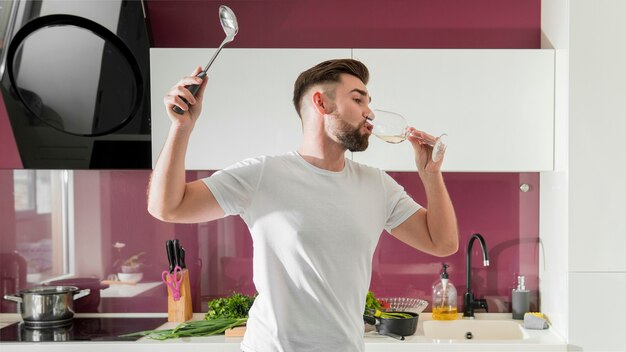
[192, 329]
[392, 315]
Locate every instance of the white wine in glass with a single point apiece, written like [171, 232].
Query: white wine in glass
[393, 128]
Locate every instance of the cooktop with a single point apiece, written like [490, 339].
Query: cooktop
[82, 329]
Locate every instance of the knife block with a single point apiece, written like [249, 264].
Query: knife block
[181, 310]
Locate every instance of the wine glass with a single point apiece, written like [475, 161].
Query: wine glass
[393, 128]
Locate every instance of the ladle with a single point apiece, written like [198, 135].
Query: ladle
[230, 26]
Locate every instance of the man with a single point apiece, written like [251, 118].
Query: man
[315, 216]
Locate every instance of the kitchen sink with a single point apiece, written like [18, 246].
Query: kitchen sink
[474, 330]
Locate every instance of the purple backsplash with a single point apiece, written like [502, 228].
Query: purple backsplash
[9, 156]
[219, 253]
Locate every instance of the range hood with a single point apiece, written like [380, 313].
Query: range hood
[76, 85]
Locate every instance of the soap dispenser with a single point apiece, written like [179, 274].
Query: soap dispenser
[520, 299]
[444, 298]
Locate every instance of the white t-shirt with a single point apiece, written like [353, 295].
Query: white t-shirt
[314, 233]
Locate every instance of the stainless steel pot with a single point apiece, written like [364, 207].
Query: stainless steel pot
[47, 306]
[88, 304]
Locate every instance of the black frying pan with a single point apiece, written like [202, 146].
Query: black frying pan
[397, 328]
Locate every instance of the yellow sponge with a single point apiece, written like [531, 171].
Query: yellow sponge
[535, 320]
[537, 314]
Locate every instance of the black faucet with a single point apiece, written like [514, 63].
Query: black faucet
[469, 302]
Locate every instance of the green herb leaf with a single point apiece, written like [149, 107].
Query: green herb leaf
[371, 302]
[236, 307]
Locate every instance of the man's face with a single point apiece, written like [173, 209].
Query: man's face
[348, 116]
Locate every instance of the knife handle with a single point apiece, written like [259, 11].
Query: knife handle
[182, 258]
[169, 248]
[177, 252]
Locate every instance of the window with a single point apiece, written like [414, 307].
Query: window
[41, 208]
[24, 184]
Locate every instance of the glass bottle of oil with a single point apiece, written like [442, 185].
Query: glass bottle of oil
[444, 298]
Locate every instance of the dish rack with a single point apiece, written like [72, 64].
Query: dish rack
[404, 304]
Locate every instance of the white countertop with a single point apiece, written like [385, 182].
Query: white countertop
[538, 340]
[121, 290]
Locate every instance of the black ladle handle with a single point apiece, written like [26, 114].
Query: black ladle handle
[193, 88]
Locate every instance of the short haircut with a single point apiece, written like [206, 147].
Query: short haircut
[327, 72]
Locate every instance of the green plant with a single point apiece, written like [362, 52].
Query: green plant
[235, 307]
[371, 302]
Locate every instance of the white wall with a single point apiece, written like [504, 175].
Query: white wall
[582, 226]
[597, 170]
[553, 224]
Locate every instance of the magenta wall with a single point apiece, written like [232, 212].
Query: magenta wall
[487, 203]
[9, 156]
[219, 253]
[350, 23]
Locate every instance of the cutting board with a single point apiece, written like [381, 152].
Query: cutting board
[237, 331]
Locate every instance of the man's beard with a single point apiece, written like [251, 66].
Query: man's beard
[351, 138]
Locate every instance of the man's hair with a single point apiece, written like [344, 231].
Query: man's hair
[326, 72]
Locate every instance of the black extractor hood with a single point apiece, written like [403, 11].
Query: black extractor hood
[75, 83]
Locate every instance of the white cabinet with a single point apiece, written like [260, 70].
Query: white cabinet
[495, 105]
[248, 108]
[597, 78]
